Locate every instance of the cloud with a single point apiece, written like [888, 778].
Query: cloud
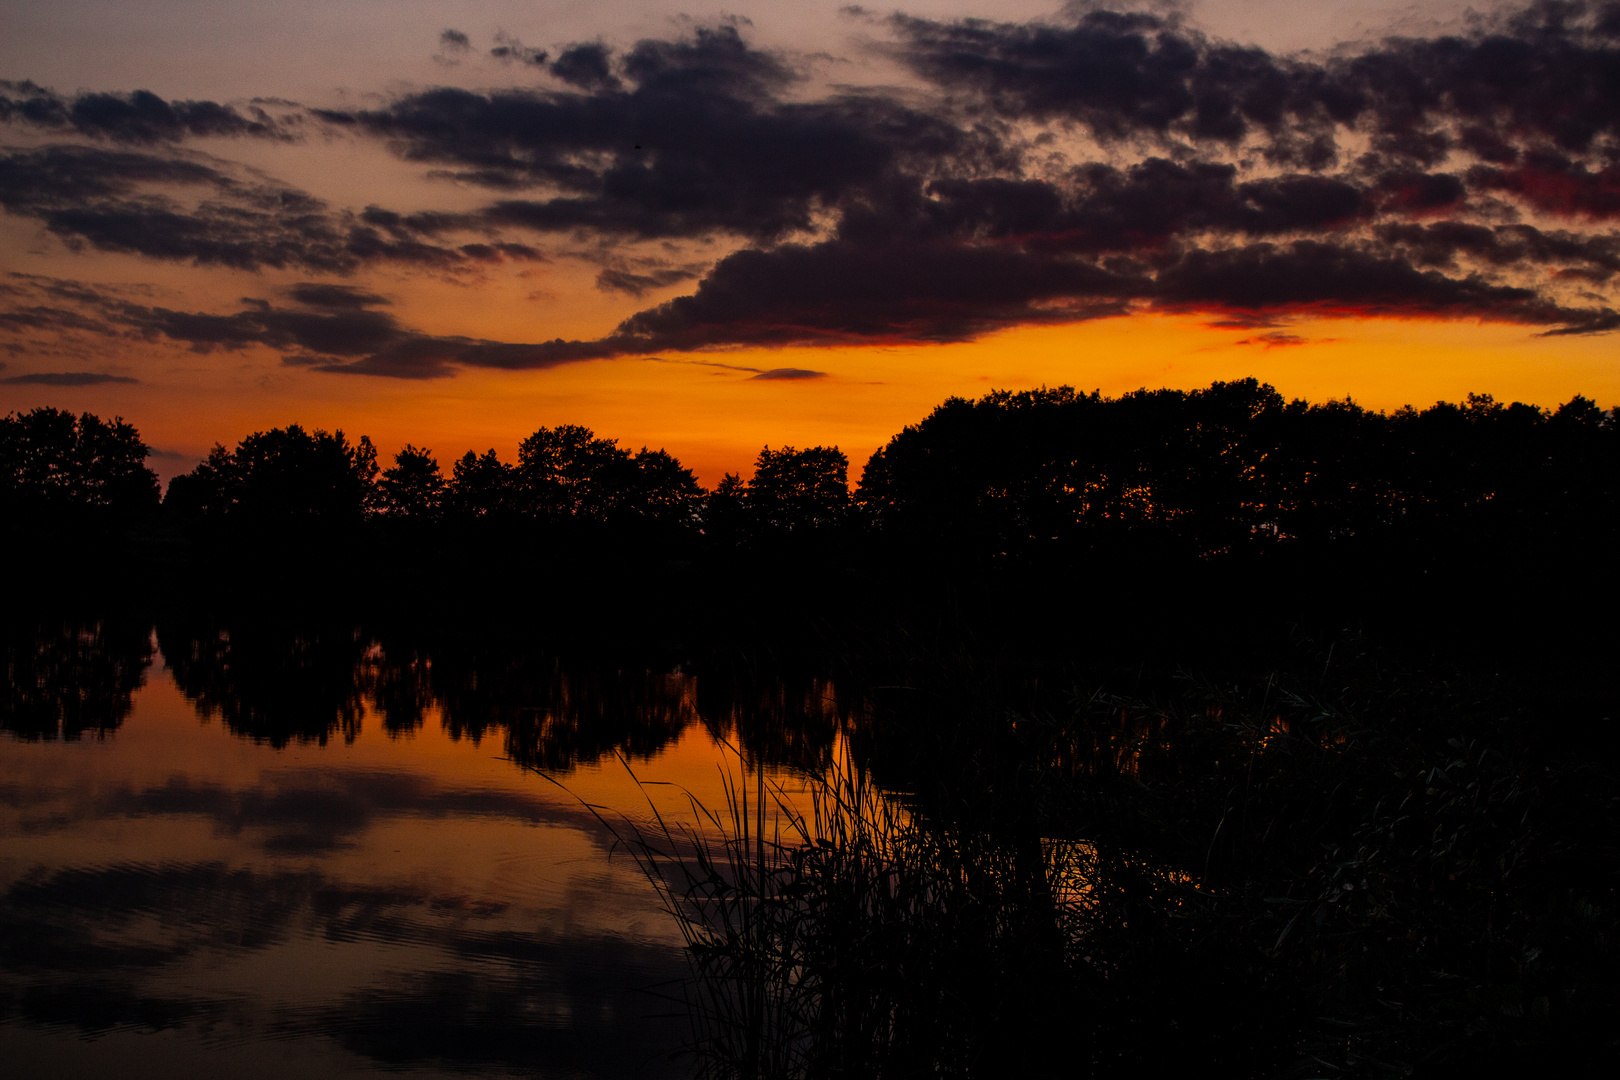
[633, 284]
[125, 201]
[840, 292]
[1099, 208]
[509, 49]
[1093, 165]
[327, 295]
[142, 117]
[1542, 72]
[704, 140]
[330, 328]
[1275, 339]
[67, 378]
[291, 814]
[1307, 276]
[1555, 184]
[587, 65]
[96, 949]
[790, 373]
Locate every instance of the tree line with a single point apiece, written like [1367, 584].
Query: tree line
[1226, 468]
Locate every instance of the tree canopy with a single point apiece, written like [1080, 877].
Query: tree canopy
[1230, 467]
[284, 476]
[1235, 465]
[56, 466]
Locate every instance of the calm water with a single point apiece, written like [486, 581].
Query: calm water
[310, 855]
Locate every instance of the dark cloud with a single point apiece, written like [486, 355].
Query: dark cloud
[633, 284]
[1556, 185]
[48, 317]
[498, 252]
[712, 62]
[1117, 73]
[334, 328]
[1100, 208]
[70, 176]
[509, 49]
[842, 292]
[587, 66]
[1445, 243]
[1411, 177]
[703, 141]
[308, 817]
[1275, 339]
[67, 378]
[790, 373]
[139, 117]
[124, 201]
[325, 295]
[1544, 73]
[1336, 279]
[420, 356]
[97, 949]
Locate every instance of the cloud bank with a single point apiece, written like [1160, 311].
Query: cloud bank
[1030, 173]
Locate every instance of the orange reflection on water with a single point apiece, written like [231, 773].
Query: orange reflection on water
[416, 887]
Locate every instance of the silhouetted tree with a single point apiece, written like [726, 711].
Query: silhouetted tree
[725, 512]
[412, 488]
[482, 487]
[55, 466]
[282, 476]
[569, 476]
[663, 493]
[1235, 467]
[799, 491]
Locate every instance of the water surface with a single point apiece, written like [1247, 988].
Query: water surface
[310, 855]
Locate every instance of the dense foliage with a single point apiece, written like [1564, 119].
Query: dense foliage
[282, 476]
[58, 469]
[1232, 468]
[1235, 466]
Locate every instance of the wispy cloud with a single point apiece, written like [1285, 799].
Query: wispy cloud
[67, 378]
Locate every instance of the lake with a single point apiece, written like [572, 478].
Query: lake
[275, 850]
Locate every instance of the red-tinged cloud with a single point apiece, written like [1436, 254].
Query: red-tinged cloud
[1556, 185]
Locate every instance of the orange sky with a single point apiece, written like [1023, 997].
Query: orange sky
[715, 419]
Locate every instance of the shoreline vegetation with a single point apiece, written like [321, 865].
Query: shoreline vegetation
[1199, 474]
[1198, 731]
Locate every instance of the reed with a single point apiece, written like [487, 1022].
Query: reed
[843, 933]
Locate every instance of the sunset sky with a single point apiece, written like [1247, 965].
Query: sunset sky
[709, 229]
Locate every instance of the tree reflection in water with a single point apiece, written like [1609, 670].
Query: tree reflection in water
[69, 675]
[282, 681]
[270, 680]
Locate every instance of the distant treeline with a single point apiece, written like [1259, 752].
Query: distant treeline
[1224, 469]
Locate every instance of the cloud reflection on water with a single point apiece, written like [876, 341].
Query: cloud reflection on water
[404, 897]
